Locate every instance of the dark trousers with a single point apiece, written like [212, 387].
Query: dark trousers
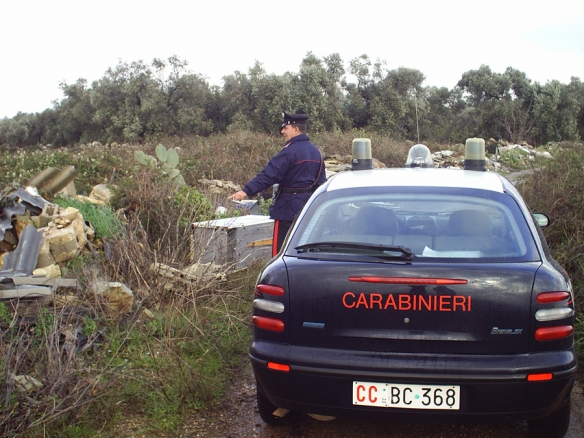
[280, 230]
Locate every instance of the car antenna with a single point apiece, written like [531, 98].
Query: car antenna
[416, 104]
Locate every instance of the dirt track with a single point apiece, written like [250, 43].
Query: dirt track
[238, 418]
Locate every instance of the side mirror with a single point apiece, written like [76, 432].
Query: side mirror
[542, 219]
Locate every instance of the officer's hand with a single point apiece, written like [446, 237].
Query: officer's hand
[238, 196]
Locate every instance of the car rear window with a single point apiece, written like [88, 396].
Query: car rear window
[436, 224]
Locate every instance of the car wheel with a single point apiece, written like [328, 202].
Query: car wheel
[266, 408]
[554, 425]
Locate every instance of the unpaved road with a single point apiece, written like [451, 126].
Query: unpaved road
[238, 418]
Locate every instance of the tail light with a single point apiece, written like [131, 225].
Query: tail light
[279, 366]
[539, 377]
[552, 297]
[553, 314]
[267, 323]
[553, 333]
[269, 289]
[270, 305]
[557, 307]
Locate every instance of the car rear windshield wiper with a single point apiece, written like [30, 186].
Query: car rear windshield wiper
[372, 249]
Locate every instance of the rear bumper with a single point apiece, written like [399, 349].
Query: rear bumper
[320, 380]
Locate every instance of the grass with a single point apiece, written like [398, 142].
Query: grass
[104, 221]
[157, 365]
[176, 349]
[557, 189]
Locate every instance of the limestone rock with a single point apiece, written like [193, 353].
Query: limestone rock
[45, 257]
[117, 295]
[20, 223]
[68, 214]
[89, 200]
[101, 192]
[51, 271]
[63, 244]
[376, 164]
[26, 383]
[220, 186]
[80, 228]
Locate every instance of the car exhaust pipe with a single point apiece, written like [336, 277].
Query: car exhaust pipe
[280, 412]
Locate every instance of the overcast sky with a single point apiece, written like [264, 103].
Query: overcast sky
[44, 42]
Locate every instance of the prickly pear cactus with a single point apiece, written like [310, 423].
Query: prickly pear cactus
[167, 163]
[172, 158]
[161, 153]
[145, 160]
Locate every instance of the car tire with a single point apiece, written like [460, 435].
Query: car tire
[266, 408]
[554, 425]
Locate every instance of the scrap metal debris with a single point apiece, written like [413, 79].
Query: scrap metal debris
[35, 236]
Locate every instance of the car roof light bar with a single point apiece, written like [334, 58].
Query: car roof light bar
[362, 158]
[419, 155]
[474, 154]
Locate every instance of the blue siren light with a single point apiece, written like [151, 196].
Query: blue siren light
[419, 156]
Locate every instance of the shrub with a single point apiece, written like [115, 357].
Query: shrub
[194, 206]
[104, 221]
[557, 188]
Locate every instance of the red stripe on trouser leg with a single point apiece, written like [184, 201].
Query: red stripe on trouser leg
[275, 238]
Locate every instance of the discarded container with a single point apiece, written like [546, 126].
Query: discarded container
[237, 241]
[249, 205]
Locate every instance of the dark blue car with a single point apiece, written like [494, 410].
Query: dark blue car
[418, 294]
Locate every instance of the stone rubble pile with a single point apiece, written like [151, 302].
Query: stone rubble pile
[494, 151]
[198, 272]
[218, 186]
[37, 238]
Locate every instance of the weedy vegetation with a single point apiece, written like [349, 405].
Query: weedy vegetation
[556, 188]
[76, 368]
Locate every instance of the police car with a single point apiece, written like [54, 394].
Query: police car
[416, 294]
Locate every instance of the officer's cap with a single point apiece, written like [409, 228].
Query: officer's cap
[294, 119]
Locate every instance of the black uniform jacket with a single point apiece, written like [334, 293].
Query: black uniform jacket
[298, 165]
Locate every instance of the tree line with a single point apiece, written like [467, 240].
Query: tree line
[134, 102]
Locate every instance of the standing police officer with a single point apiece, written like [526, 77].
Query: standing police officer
[298, 169]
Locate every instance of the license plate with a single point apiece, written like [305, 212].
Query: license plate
[394, 395]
